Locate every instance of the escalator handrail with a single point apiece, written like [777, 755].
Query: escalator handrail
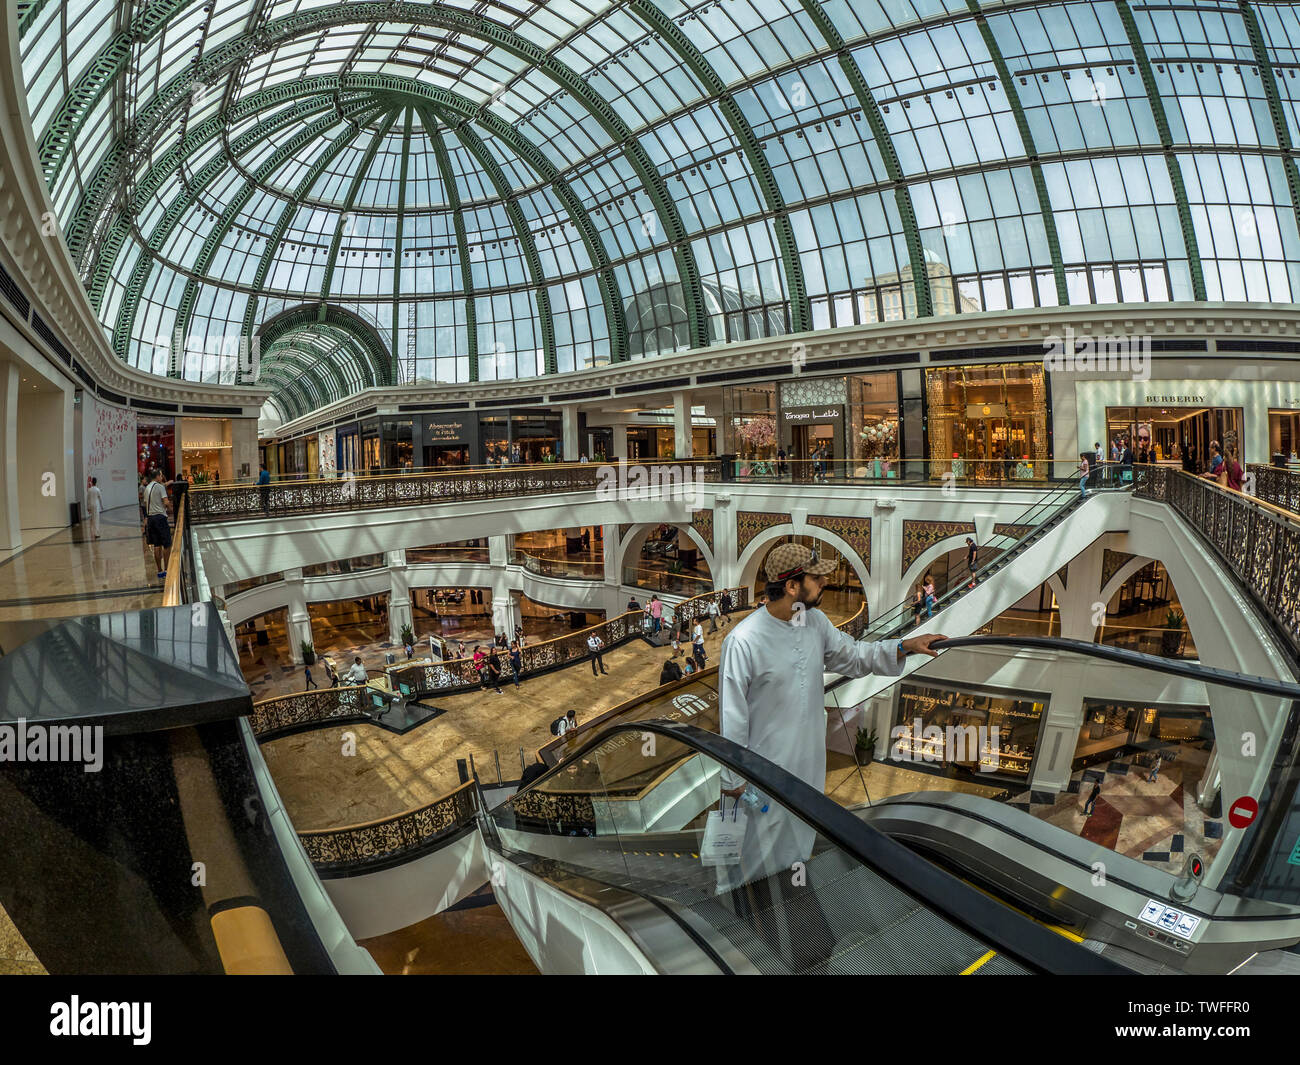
[1177, 667]
[983, 917]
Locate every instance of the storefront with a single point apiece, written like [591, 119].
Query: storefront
[155, 440]
[1174, 433]
[977, 730]
[527, 437]
[988, 422]
[294, 460]
[327, 449]
[844, 425]
[448, 440]
[398, 444]
[348, 448]
[1258, 415]
[1110, 729]
[206, 450]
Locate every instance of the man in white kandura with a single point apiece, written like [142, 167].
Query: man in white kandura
[771, 692]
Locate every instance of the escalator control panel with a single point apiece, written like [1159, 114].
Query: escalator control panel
[1167, 925]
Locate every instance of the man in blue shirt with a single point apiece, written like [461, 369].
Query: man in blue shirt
[264, 487]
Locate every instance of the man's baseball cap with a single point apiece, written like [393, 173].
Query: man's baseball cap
[794, 560]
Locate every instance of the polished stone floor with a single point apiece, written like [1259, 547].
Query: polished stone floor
[474, 940]
[324, 788]
[66, 573]
[16, 957]
[1156, 822]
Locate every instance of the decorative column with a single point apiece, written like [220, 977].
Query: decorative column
[399, 595]
[1208, 786]
[1081, 602]
[11, 526]
[569, 425]
[613, 570]
[620, 441]
[505, 611]
[1058, 732]
[682, 425]
[298, 618]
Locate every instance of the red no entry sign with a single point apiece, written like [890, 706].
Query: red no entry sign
[1242, 812]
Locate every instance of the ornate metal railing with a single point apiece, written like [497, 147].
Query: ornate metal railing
[409, 489]
[1259, 542]
[351, 850]
[1275, 485]
[697, 607]
[288, 713]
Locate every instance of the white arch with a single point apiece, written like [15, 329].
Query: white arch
[754, 552]
[636, 538]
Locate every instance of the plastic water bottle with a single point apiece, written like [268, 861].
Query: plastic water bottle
[750, 798]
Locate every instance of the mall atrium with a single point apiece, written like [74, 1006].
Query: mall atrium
[456, 457]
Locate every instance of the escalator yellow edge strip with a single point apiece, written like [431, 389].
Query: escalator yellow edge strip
[983, 961]
[1060, 930]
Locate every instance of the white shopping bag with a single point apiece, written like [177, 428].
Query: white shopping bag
[724, 836]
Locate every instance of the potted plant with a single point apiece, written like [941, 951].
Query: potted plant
[408, 636]
[1171, 640]
[864, 749]
[308, 653]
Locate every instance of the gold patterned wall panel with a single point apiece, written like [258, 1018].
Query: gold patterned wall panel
[1016, 532]
[1112, 562]
[702, 523]
[856, 532]
[920, 536]
[749, 523]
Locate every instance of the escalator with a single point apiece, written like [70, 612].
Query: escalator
[598, 867]
[598, 863]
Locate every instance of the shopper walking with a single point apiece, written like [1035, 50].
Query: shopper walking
[1092, 798]
[1083, 470]
[158, 530]
[713, 615]
[357, 674]
[596, 645]
[656, 615]
[697, 644]
[94, 506]
[264, 489]
[306, 668]
[972, 554]
[1155, 770]
[931, 599]
[516, 662]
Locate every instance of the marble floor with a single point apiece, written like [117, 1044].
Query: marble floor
[850, 784]
[389, 774]
[65, 573]
[1156, 822]
[471, 941]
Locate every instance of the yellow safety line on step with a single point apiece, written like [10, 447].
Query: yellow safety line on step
[984, 960]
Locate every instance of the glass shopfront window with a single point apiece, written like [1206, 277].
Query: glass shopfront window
[988, 423]
[873, 426]
[155, 441]
[399, 450]
[536, 438]
[1173, 435]
[1284, 435]
[749, 423]
[985, 732]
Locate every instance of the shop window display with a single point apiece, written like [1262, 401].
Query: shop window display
[1005, 728]
[988, 423]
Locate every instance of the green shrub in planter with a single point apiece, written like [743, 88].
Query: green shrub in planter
[308, 653]
[864, 749]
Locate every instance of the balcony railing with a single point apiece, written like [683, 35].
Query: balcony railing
[1259, 541]
[389, 840]
[1277, 485]
[284, 714]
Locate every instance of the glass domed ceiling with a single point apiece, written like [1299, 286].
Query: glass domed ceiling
[464, 191]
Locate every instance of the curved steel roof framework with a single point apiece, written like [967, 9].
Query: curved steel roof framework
[495, 191]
